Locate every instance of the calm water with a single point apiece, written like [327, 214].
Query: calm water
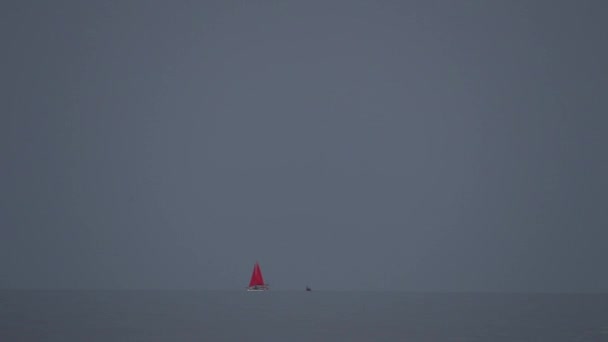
[299, 316]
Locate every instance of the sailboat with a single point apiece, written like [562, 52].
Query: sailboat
[257, 281]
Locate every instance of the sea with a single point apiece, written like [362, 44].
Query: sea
[151, 315]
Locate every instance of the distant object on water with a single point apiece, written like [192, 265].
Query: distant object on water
[257, 281]
[308, 288]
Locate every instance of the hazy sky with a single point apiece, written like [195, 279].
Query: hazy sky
[396, 145]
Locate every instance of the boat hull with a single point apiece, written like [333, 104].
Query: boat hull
[258, 288]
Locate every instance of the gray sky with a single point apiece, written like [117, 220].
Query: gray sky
[396, 145]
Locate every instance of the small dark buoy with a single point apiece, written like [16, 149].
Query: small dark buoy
[308, 288]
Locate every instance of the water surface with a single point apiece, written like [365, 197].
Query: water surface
[299, 316]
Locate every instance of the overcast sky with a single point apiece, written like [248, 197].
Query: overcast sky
[379, 145]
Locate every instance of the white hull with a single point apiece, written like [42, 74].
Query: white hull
[258, 289]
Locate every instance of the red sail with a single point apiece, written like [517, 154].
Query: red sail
[256, 277]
